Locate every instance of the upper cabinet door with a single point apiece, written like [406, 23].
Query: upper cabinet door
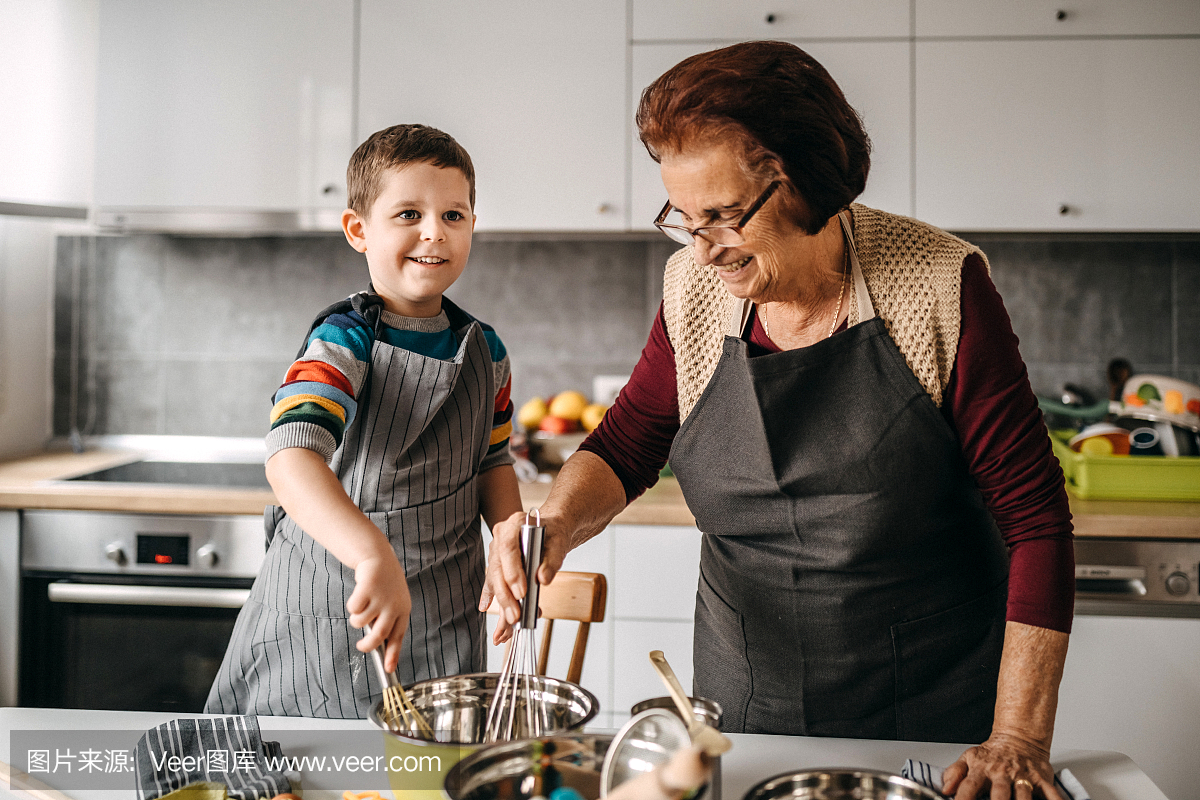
[47, 102]
[875, 79]
[675, 20]
[1043, 18]
[534, 91]
[232, 104]
[1090, 134]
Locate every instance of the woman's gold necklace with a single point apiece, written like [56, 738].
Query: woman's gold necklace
[837, 312]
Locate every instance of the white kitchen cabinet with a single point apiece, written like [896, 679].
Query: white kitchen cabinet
[224, 104]
[10, 593]
[875, 79]
[1087, 134]
[47, 102]
[535, 92]
[675, 20]
[1041, 18]
[659, 568]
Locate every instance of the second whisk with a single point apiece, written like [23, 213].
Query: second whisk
[516, 712]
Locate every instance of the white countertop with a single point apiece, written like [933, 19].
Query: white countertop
[1106, 775]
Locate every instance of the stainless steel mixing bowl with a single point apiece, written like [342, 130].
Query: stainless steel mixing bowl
[840, 784]
[457, 707]
[531, 768]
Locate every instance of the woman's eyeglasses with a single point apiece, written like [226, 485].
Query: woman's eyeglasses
[720, 235]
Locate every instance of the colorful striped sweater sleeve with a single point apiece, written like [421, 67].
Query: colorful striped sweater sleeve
[498, 452]
[316, 401]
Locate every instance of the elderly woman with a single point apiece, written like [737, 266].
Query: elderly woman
[887, 544]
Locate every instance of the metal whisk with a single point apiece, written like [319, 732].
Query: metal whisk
[515, 713]
[400, 714]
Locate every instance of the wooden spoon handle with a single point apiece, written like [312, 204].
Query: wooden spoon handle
[682, 702]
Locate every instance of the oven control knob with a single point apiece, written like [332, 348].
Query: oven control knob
[115, 552]
[1178, 584]
[206, 555]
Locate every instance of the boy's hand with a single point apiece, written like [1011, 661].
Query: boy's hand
[381, 599]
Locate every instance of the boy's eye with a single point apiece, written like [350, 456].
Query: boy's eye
[453, 216]
[409, 213]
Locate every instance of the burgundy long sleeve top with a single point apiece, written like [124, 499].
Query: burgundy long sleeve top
[988, 404]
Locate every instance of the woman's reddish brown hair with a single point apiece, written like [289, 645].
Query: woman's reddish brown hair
[783, 109]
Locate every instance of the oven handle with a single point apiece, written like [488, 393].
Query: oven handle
[62, 592]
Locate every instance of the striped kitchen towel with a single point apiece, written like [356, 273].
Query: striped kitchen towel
[225, 751]
[928, 775]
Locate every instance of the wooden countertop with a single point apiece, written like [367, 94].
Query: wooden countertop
[37, 481]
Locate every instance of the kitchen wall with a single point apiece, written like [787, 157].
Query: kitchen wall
[191, 335]
[26, 278]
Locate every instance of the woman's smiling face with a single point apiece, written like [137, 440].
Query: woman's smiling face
[708, 186]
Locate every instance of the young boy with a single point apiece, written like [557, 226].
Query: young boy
[389, 439]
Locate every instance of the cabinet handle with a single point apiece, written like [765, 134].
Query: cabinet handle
[604, 208]
[328, 188]
[1060, 15]
[770, 19]
[1065, 209]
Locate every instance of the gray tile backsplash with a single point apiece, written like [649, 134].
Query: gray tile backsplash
[1077, 301]
[191, 335]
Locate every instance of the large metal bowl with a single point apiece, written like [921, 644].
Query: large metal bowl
[531, 768]
[840, 784]
[456, 707]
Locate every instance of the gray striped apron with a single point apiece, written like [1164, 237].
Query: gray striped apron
[410, 462]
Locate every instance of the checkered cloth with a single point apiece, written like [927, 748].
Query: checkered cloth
[928, 775]
[226, 751]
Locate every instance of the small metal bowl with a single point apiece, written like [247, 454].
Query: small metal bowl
[456, 707]
[840, 783]
[531, 768]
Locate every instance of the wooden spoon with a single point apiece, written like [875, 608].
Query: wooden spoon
[704, 736]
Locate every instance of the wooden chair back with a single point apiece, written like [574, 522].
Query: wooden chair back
[577, 596]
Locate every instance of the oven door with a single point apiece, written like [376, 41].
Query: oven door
[107, 642]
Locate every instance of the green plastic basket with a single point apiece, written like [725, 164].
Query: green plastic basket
[1128, 477]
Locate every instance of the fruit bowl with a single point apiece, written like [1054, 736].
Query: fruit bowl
[548, 451]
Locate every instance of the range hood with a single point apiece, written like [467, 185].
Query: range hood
[217, 221]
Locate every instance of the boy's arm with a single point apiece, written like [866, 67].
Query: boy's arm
[499, 495]
[312, 496]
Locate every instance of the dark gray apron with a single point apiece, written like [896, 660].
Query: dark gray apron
[852, 582]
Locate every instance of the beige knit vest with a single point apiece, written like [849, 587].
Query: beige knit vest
[913, 273]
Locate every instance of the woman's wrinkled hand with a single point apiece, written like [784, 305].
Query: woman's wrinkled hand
[506, 570]
[1002, 767]
[380, 599]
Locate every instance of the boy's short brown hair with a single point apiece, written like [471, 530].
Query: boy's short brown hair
[395, 147]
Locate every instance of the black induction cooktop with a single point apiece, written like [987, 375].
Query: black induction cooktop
[184, 473]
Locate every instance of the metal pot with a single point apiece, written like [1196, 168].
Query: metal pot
[711, 710]
[531, 768]
[840, 783]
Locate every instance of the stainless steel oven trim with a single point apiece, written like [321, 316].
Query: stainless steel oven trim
[58, 541]
[103, 593]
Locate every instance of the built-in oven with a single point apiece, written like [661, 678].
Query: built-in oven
[1131, 682]
[129, 611]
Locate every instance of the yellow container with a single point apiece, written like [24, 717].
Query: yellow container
[1099, 477]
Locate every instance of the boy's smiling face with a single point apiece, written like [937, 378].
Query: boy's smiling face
[417, 237]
